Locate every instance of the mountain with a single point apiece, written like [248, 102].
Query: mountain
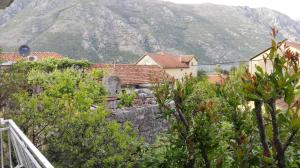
[122, 30]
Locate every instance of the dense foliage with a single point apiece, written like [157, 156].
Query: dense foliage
[237, 124]
[126, 98]
[51, 101]
[278, 127]
[208, 123]
[234, 124]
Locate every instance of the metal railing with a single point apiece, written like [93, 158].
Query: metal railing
[17, 151]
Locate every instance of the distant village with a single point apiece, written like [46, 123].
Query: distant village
[148, 69]
[162, 110]
[149, 66]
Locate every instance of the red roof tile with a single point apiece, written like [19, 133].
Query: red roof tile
[186, 58]
[216, 78]
[12, 56]
[166, 60]
[134, 74]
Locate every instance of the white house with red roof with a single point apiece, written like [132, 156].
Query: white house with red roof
[266, 64]
[258, 60]
[176, 66]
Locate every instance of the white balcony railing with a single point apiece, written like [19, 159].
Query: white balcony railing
[17, 151]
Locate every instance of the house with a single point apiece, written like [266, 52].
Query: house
[258, 60]
[131, 75]
[176, 66]
[9, 58]
[118, 77]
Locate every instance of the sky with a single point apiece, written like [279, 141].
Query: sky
[288, 7]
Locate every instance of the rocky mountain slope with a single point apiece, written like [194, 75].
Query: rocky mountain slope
[122, 30]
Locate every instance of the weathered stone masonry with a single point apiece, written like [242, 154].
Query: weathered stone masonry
[146, 120]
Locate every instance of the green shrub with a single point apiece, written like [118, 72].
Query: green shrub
[126, 98]
[51, 102]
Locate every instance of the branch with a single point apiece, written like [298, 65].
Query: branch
[182, 117]
[42, 129]
[290, 139]
[162, 104]
[261, 128]
[276, 138]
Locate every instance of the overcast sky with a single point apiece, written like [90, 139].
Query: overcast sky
[289, 7]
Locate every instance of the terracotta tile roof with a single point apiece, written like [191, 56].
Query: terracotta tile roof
[134, 74]
[166, 60]
[186, 58]
[13, 56]
[216, 78]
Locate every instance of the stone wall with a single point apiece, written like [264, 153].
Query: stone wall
[146, 120]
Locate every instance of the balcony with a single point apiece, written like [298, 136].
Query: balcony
[17, 151]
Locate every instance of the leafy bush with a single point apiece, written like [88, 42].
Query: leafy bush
[53, 108]
[51, 65]
[201, 75]
[217, 126]
[278, 128]
[126, 98]
[209, 125]
[196, 136]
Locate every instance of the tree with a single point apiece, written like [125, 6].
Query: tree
[237, 111]
[89, 140]
[14, 78]
[195, 136]
[217, 126]
[201, 75]
[54, 111]
[278, 128]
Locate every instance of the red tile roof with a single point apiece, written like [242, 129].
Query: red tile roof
[186, 58]
[216, 78]
[12, 56]
[134, 74]
[166, 60]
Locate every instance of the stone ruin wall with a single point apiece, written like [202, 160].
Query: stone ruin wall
[146, 120]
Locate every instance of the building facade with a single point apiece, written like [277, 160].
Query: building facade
[176, 66]
[266, 64]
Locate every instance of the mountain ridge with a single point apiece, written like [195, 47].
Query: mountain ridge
[122, 30]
